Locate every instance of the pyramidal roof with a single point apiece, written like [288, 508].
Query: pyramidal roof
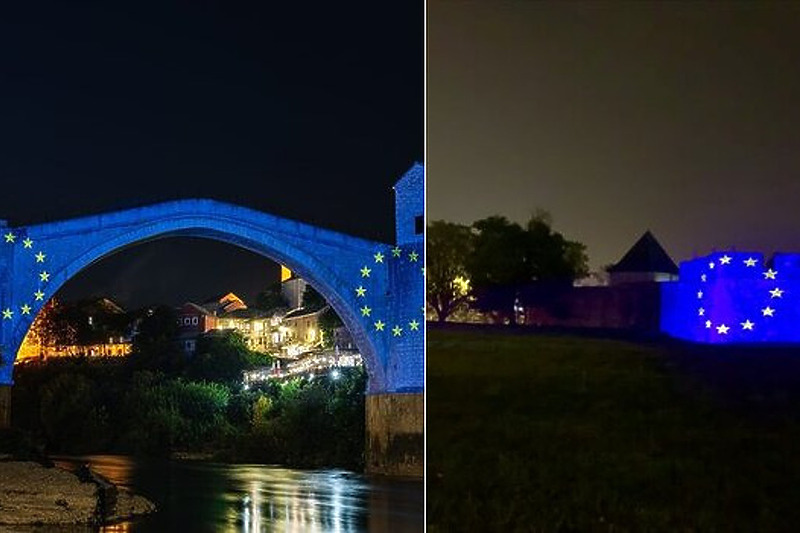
[647, 255]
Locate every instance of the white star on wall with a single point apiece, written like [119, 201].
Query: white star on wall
[748, 325]
[723, 329]
[750, 261]
[770, 274]
[775, 293]
[725, 260]
[768, 311]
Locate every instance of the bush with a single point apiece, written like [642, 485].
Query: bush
[72, 418]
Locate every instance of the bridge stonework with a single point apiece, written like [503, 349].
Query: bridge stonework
[377, 289]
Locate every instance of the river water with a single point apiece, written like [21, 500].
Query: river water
[199, 497]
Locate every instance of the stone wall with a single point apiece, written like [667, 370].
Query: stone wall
[5, 406]
[634, 306]
[395, 434]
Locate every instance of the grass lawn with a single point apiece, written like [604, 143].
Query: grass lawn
[564, 433]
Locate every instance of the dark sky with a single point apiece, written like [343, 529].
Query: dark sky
[680, 117]
[308, 111]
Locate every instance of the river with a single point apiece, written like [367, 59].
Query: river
[199, 497]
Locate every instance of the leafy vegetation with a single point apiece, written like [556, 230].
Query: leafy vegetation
[157, 402]
[496, 257]
[271, 298]
[448, 247]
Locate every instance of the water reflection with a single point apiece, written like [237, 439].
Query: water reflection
[293, 500]
[254, 498]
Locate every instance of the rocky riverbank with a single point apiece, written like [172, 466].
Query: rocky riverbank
[34, 494]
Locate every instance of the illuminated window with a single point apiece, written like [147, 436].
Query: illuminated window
[419, 224]
[194, 320]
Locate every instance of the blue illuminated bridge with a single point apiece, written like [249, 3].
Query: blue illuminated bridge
[376, 288]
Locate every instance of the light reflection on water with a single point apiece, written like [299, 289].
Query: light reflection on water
[252, 498]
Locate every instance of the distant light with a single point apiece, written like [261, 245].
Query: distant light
[335, 374]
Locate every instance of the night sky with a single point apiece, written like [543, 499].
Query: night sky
[309, 112]
[679, 117]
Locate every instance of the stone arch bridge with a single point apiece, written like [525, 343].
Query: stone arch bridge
[376, 288]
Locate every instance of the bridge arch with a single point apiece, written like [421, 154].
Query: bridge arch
[329, 261]
[376, 288]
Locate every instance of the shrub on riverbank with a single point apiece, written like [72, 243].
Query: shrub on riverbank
[81, 406]
[306, 423]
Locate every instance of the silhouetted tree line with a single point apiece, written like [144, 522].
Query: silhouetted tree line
[491, 263]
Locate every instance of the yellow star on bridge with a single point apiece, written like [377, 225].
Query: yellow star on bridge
[413, 256]
[27, 242]
[26, 309]
[413, 325]
[39, 295]
[379, 325]
[44, 276]
[397, 331]
[361, 291]
[10, 237]
[365, 271]
[365, 311]
[396, 251]
[7, 314]
[378, 257]
[40, 257]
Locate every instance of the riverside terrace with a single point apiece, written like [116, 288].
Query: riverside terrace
[377, 289]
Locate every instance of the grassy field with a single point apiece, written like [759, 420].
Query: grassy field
[562, 433]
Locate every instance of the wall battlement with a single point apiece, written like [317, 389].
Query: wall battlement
[734, 297]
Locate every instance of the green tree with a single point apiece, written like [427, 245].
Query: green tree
[506, 256]
[550, 255]
[222, 358]
[312, 299]
[73, 418]
[448, 248]
[328, 322]
[155, 346]
[271, 298]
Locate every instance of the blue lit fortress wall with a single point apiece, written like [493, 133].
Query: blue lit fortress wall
[733, 297]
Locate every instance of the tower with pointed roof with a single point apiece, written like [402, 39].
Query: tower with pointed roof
[646, 261]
